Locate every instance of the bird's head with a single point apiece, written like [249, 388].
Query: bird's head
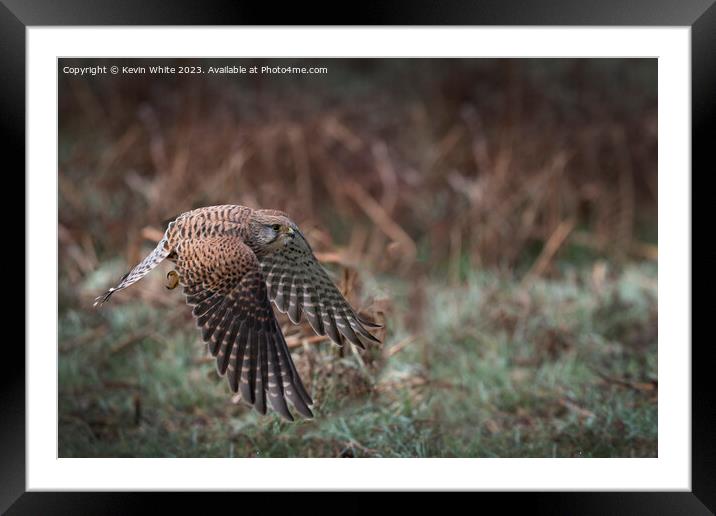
[271, 229]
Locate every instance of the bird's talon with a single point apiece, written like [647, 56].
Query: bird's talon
[172, 280]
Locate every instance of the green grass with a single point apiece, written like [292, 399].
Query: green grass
[564, 368]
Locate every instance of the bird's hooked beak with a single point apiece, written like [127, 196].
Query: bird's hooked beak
[287, 230]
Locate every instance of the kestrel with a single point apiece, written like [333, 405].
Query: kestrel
[231, 262]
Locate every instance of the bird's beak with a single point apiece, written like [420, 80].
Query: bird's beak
[288, 230]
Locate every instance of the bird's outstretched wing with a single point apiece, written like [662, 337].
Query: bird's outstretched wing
[299, 284]
[224, 284]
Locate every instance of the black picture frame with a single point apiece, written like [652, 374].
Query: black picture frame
[17, 15]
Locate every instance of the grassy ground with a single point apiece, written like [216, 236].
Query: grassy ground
[490, 367]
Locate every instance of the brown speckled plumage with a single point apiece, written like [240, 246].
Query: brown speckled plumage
[232, 261]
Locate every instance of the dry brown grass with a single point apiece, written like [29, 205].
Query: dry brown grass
[472, 165]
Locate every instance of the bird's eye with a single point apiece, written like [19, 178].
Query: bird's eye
[276, 227]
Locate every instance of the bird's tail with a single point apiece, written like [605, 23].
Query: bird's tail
[152, 260]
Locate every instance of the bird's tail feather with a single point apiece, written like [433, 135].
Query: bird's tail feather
[152, 260]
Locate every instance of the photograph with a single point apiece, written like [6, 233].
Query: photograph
[357, 257]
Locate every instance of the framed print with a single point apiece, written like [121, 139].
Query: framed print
[433, 250]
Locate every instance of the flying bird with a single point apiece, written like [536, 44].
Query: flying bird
[232, 261]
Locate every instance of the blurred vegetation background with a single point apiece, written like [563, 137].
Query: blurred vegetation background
[498, 215]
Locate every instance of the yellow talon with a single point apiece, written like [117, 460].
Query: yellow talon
[172, 280]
